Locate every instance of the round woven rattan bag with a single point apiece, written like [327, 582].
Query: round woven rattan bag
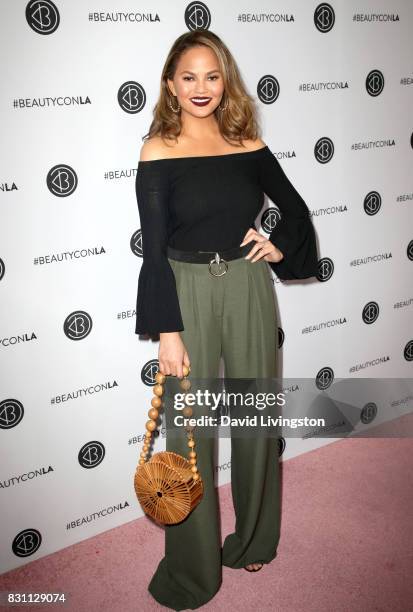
[168, 486]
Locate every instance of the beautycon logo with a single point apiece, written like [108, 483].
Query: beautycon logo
[368, 413]
[281, 446]
[136, 243]
[281, 337]
[26, 542]
[324, 378]
[408, 351]
[61, 180]
[324, 17]
[325, 269]
[270, 218]
[374, 83]
[370, 312]
[149, 371]
[372, 203]
[268, 89]
[77, 325]
[11, 413]
[197, 16]
[42, 16]
[324, 150]
[131, 97]
[91, 454]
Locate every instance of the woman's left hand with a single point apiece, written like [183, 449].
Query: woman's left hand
[263, 249]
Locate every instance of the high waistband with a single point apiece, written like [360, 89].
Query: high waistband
[208, 256]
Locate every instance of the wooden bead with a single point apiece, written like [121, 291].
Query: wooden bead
[150, 425]
[158, 390]
[194, 469]
[185, 384]
[153, 414]
[186, 369]
[141, 461]
[192, 461]
[143, 454]
[145, 447]
[148, 435]
[187, 411]
[156, 402]
[191, 443]
[192, 453]
[195, 476]
[160, 378]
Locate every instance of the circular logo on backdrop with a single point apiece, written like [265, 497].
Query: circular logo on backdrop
[2, 268]
[197, 16]
[409, 250]
[324, 17]
[136, 243]
[281, 337]
[131, 97]
[91, 454]
[11, 413]
[149, 371]
[42, 16]
[61, 180]
[324, 378]
[368, 413]
[374, 83]
[270, 218]
[77, 325]
[26, 542]
[372, 203]
[408, 351]
[325, 269]
[370, 312]
[268, 89]
[281, 446]
[323, 150]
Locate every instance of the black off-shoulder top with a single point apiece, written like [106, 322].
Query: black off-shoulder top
[208, 203]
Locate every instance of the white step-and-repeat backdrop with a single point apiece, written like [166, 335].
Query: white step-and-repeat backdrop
[334, 87]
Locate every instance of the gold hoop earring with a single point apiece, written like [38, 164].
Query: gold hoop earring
[223, 108]
[173, 109]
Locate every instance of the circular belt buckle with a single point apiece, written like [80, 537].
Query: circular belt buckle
[217, 261]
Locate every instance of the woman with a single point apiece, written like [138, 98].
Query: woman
[200, 184]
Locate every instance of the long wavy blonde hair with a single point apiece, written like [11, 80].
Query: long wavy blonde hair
[236, 123]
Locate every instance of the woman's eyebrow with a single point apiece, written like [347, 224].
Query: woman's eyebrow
[209, 72]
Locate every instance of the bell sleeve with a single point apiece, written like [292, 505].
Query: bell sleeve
[157, 305]
[294, 233]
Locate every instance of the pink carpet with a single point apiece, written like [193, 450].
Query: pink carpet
[346, 544]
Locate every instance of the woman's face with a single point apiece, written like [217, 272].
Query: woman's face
[197, 77]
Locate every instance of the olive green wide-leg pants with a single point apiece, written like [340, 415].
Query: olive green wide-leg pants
[232, 315]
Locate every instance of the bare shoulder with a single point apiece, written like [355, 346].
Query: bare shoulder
[153, 148]
[253, 145]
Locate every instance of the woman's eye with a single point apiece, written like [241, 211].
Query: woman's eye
[215, 76]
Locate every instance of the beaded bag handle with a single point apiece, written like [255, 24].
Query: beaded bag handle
[153, 415]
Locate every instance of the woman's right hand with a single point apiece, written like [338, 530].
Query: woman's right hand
[172, 354]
